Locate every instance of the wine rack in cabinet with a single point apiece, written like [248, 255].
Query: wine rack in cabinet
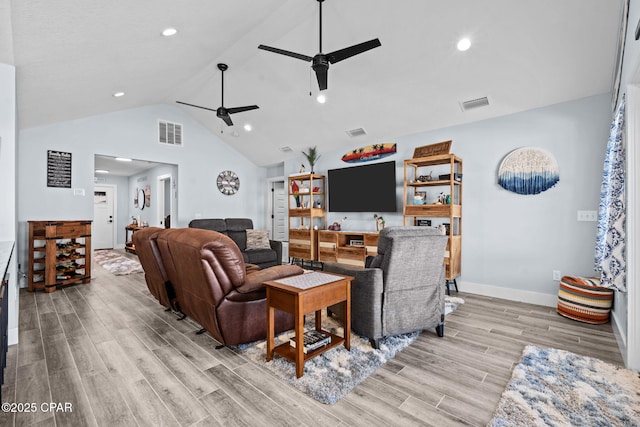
[433, 196]
[59, 254]
[307, 214]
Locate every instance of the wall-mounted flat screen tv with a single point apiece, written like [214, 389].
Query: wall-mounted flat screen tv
[367, 188]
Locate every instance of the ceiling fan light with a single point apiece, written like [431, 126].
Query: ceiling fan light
[321, 98]
[118, 94]
[464, 44]
[168, 32]
[248, 127]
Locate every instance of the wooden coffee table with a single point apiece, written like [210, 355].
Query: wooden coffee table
[303, 294]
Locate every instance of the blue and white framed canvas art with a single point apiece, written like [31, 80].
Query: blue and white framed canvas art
[528, 170]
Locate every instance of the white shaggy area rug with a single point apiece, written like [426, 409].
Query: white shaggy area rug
[331, 376]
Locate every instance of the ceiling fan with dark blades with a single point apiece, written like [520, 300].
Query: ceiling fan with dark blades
[320, 62]
[221, 111]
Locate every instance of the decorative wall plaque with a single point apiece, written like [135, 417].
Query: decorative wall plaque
[58, 169]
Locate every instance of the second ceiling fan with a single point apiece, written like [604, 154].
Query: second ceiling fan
[320, 62]
[222, 112]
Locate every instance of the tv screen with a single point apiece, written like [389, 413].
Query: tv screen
[367, 188]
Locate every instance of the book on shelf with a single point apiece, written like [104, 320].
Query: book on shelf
[312, 340]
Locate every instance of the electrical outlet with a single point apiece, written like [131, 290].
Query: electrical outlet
[556, 275]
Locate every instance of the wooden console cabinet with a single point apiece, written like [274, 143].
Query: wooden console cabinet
[346, 247]
[129, 246]
[59, 254]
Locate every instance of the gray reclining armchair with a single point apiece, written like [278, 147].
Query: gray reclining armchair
[402, 288]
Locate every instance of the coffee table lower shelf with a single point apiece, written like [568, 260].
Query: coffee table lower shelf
[287, 351]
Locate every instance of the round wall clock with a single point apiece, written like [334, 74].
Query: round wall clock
[228, 183]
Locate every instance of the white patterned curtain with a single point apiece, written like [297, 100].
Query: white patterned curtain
[610, 241]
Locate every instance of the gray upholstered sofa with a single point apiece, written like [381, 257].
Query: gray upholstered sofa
[236, 228]
[401, 289]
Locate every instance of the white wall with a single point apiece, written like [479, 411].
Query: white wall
[133, 133]
[8, 144]
[511, 243]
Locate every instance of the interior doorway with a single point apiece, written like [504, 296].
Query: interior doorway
[165, 201]
[277, 214]
[104, 221]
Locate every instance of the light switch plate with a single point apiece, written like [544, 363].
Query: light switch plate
[588, 216]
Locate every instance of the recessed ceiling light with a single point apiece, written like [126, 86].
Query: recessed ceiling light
[118, 94]
[123, 159]
[169, 32]
[321, 98]
[101, 171]
[248, 127]
[464, 44]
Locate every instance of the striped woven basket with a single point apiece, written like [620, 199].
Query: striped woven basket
[584, 300]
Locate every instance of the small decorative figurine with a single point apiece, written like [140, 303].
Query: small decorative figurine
[379, 222]
[295, 190]
[302, 168]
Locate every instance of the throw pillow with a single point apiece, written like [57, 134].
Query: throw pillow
[258, 239]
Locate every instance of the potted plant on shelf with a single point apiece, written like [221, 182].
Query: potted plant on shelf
[312, 157]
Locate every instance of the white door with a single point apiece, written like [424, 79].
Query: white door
[279, 214]
[102, 233]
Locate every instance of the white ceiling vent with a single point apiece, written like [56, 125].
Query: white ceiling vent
[474, 103]
[169, 133]
[286, 149]
[356, 132]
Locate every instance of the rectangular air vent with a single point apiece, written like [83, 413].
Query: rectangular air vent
[474, 103]
[169, 133]
[286, 149]
[356, 132]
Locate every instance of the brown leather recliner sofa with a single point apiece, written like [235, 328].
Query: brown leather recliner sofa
[211, 282]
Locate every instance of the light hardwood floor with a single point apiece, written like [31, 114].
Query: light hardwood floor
[112, 351]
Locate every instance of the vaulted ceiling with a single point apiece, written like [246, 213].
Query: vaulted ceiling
[72, 55]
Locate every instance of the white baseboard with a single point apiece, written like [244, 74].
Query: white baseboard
[620, 338]
[510, 294]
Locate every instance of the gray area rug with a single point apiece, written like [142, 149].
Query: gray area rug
[331, 376]
[551, 387]
[115, 263]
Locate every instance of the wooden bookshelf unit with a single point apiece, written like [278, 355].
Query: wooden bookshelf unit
[441, 173]
[306, 214]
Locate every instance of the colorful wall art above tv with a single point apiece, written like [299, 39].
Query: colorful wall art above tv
[367, 188]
